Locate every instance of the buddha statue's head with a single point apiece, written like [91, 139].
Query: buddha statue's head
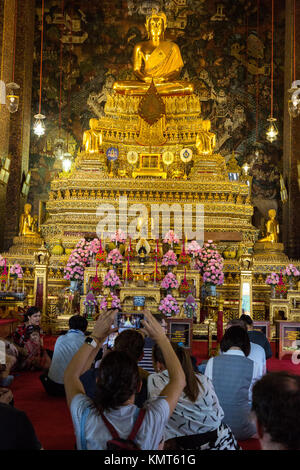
[156, 24]
[272, 213]
[27, 209]
[93, 123]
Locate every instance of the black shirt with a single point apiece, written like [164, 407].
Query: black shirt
[259, 338]
[16, 430]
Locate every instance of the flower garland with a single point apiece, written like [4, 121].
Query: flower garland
[169, 306]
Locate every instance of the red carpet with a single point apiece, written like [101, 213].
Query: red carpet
[49, 415]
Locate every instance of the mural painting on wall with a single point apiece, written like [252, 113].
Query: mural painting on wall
[227, 55]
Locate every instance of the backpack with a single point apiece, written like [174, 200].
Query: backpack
[117, 443]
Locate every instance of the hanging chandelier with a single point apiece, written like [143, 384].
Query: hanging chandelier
[39, 125]
[12, 97]
[272, 130]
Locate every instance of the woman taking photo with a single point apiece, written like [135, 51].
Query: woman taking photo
[118, 382]
[196, 423]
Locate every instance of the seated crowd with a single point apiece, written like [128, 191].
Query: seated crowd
[115, 402]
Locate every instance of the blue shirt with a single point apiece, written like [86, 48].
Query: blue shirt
[65, 347]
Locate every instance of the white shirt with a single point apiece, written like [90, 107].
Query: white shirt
[65, 347]
[235, 352]
[203, 415]
[123, 418]
[258, 355]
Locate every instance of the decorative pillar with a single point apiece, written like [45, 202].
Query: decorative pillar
[220, 320]
[40, 290]
[245, 304]
[20, 122]
[7, 14]
[291, 137]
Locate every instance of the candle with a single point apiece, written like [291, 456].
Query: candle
[157, 246]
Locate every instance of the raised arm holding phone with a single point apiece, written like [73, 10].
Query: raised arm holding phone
[117, 384]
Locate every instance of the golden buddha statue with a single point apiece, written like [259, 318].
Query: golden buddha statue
[205, 140]
[158, 60]
[27, 225]
[92, 139]
[272, 227]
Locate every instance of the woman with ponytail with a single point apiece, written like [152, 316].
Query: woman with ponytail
[196, 423]
[118, 382]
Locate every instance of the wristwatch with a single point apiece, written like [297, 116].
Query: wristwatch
[89, 340]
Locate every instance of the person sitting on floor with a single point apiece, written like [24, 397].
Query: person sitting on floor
[16, 431]
[65, 347]
[118, 382]
[233, 375]
[36, 357]
[31, 318]
[256, 354]
[276, 408]
[196, 423]
[257, 337]
[132, 342]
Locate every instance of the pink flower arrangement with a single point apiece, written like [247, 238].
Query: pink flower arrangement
[114, 257]
[114, 304]
[169, 282]
[210, 264]
[16, 271]
[169, 306]
[169, 259]
[111, 279]
[171, 237]
[119, 236]
[94, 246]
[2, 261]
[272, 279]
[291, 271]
[78, 260]
[193, 248]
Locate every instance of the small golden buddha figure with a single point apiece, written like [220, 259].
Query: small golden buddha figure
[158, 60]
[205, 140]
[92, 138]
[27, 226]
[272, 227]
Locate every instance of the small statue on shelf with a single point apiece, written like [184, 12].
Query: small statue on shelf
[272, 227]
[28, 223]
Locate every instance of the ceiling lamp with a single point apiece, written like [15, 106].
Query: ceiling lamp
[12, 98]
[66, 164]
[39, 126]
[272, 131]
